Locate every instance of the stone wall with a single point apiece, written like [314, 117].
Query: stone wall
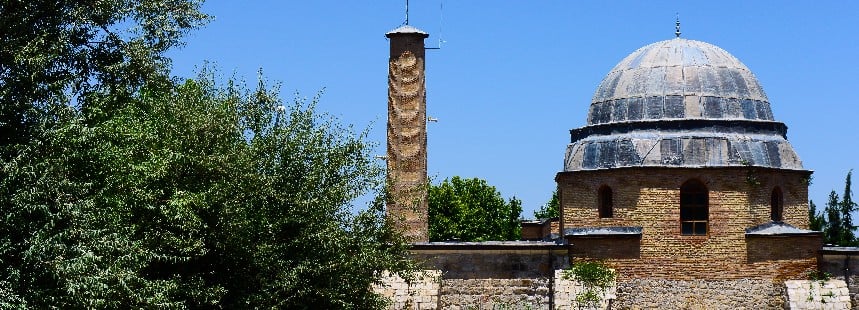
[567, 291]
[806, 294]
[699, 294]
[843, 264]
[491, 275]
[491, 293]
[483, 276]
[421, 293]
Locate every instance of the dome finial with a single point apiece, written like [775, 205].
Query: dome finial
[677, 26]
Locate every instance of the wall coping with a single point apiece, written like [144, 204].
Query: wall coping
[842, 250]
[778, 229]
[603, 232]
[511, 246]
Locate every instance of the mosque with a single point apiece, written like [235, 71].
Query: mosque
[683, 166]
[682, 180]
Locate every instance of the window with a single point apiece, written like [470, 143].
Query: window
[693, 208]
[776, 205]
[604, 202]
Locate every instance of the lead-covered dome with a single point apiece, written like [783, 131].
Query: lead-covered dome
[679, 78]
[680, 103]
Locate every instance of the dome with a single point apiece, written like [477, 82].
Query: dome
[680, 103]
[679, 78]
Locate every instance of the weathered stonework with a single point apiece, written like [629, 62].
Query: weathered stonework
[489, 275]
[567, 291]
[699, 294]
[806, 294]
[407, 135]
[843, 263]
[421, 293]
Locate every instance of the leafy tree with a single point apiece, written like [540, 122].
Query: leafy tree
[471, 210]
[66, 51]
[121, 188]
[837, 225]
[832, 232]
[550, 209]
[63, 66]
[816, 220]
[195, 195]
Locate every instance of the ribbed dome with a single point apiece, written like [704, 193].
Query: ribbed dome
[680, 103]
[679, 78]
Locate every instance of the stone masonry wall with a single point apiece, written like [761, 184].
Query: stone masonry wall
[739, 198]
[532, 279]
[567, 291]
[494, 278]
[422, 293]
[699, 294]
[807, 294]
[844, 266]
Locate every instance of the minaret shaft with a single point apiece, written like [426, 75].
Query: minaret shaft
[407, 134]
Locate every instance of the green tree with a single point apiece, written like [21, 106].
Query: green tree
[196, 195]
[816, 220]
[832, 232]
[471, 210]
[62, 51]
[847, 207]
[63, 66]
[838, 227]
[550, 209]
[121, 188]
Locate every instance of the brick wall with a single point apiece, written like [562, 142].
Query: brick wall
[610, 247]
[532, 230]
[739, 198]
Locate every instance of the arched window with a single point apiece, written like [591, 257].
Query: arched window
[776, 205]
[694, 207]
[605, 203]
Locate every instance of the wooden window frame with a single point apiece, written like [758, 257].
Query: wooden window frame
[777, 205]
[694, 208]
[605, 202]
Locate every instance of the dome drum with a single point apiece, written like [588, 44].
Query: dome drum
[680, 150]
[677, 107]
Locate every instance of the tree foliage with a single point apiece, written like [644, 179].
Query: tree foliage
[833, 230]
[550, 209]
[122, 188]
[836, 222]
[471, 210]
[196, 196]
[815, 219]
[60, 51]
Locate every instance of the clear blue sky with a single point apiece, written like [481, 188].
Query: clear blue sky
[514, 76]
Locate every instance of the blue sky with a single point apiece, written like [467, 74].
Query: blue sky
[513, 77]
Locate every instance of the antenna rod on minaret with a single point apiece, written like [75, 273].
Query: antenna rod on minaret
[407, 12]
[676, 26]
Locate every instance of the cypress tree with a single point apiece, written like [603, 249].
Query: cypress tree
[832, 231]
[847, 205]
[816, 221]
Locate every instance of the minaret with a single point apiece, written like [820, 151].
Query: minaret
[407, 132]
